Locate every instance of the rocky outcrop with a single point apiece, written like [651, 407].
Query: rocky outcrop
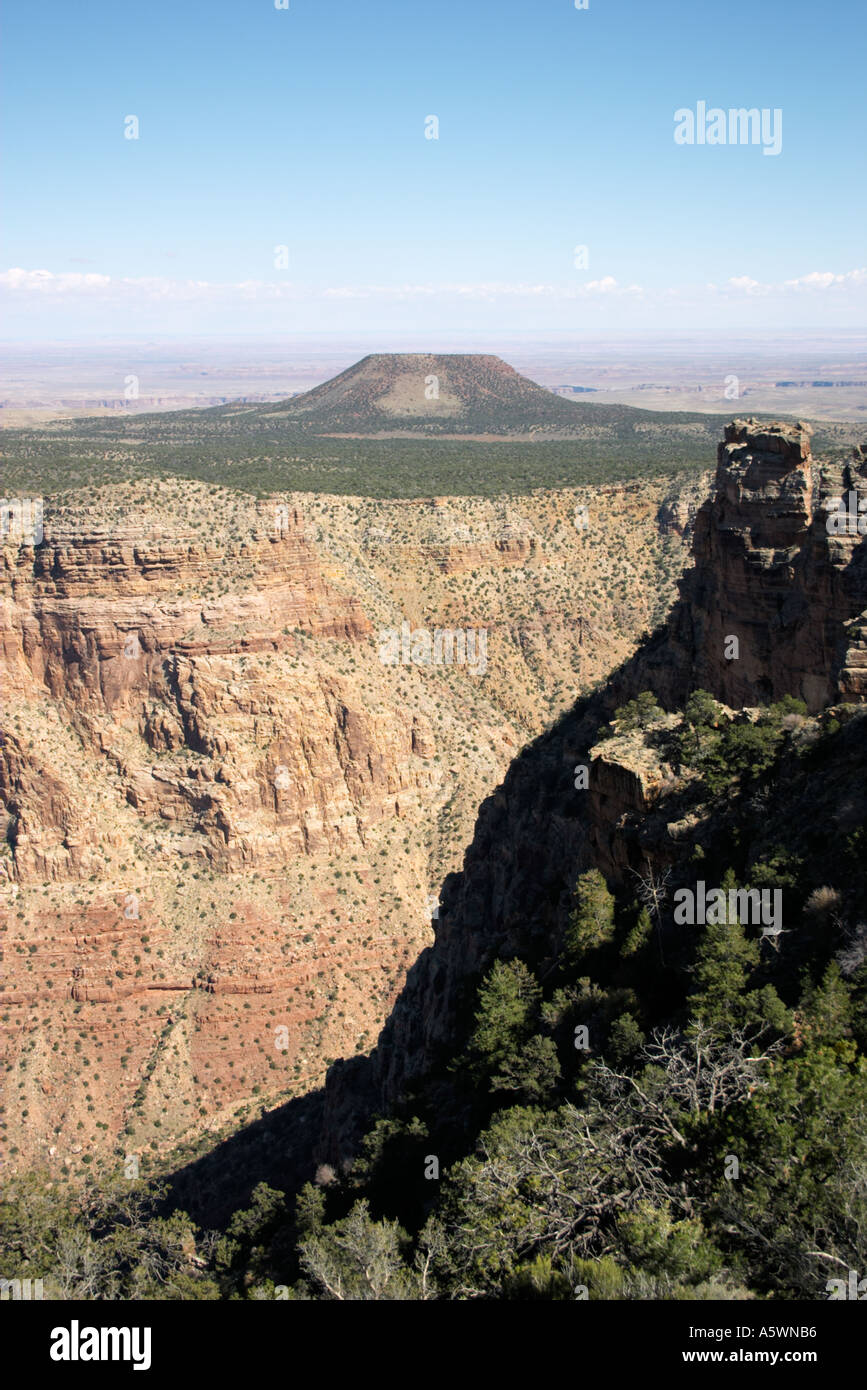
[773, 604]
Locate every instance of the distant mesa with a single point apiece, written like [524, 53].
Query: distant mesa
[433, 393]
[814, 384]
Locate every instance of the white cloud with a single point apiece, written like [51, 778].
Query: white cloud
[44, 281]
[25, 287]
[747, 284]
[816, 280]
[826, 280]
[161, 287]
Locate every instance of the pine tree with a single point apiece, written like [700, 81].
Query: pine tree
[509, 999]
[591, 923]
[625, 1038]
[827, 1008]
[639, 713]
[724, 963]
[639, 935]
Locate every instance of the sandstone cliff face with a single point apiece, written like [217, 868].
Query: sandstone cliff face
[225, 819]
[127, 638]
[768, 571]
[91, 616]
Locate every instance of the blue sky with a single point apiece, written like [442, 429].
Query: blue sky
[306, 128]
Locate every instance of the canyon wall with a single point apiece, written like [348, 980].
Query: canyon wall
[226, 821]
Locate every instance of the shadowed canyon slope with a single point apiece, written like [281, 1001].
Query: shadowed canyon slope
[226, 820]
[770, 572]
